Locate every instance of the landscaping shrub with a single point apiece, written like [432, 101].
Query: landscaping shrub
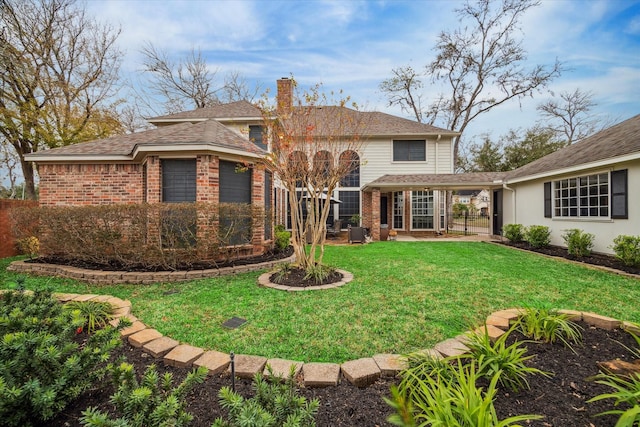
[282, 237]
[452, 399]
[549, 326]
[499, 359]
[29, 246]
[627, 249]
[42, 367]
[538, 236]
[96, 314]
[513, 232]
[276, 403]
[151, 402]
[578, 242]
[151, 236]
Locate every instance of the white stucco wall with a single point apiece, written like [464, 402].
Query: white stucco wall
[529, 210]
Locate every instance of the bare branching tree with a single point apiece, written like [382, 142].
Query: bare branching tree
[403, 89]
[482, 64]
[185, 84]
[237, 88]
[313, 147]
[58, 67]
[570, 116]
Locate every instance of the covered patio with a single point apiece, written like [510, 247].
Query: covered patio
[417, 204]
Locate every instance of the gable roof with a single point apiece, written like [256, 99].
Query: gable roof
[233, 110]
[206, 135]
[604, 147]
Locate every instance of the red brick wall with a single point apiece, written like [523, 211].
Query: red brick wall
[7, 241]
[208, 179]
[90, 184]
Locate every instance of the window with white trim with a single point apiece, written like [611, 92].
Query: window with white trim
[409, 150]
[582, 197]
[398, 210]
[422, 210]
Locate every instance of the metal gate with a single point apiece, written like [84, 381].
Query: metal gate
[468, 223]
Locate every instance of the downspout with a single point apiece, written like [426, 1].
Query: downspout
[513, 200]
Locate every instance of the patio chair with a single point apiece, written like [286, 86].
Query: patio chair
[333, 232]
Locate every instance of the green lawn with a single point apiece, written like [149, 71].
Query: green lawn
[405, 296]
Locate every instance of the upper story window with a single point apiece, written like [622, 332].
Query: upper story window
[584, 196]
[351, 160]
[323, 163]
[409, 150]
[255, 136]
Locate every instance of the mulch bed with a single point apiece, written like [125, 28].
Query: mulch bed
[297, 277]
[562, 398]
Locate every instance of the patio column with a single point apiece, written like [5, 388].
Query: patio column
[375, 214]
[257, 200]
[153, 180]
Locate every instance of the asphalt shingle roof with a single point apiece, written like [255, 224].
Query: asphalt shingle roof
[619, 140]
[209, 132]
[238, 109]
[441, 180]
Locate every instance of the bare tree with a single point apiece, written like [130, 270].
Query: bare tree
[237, 88]
[188, 83]
[570, 115]
[482, 64]
[313, 146]
[58, 66]
[403, 90]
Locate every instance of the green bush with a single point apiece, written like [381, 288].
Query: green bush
[578, 242]
[448, 400]
[275, 404]
[627, 249]
[626, 391]
[549, 326]
[282, 237]
[538, 236]
[513, 232]
[499, 359]
[96, 314]
[152, 402]
[42, 367]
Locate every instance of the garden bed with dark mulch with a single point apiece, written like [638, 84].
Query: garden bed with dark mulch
[598, 259]
[561, 398]
[299, 278]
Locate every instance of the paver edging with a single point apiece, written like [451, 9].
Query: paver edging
[108, 277]
[608, 322]
[265, 280]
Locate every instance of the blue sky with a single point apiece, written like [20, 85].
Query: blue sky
[353, 45]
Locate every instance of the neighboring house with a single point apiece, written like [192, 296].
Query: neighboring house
[193, 156]
[592, 185]
[476, 200]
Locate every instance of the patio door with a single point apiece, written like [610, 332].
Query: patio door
[384, 218]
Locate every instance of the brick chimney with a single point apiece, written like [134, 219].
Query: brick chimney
[284, 96]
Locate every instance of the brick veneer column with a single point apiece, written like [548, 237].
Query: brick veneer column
[366, 209]
[154, 180]
[257, 200]
[375, 214]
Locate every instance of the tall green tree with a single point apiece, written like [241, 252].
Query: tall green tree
[482, 65]
[58, 68]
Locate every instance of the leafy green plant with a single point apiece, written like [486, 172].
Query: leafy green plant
[513, 232]
[96, 314]
[626, 390]
[627, 249]
[547, 325]
[282, 271]
[497, 359]
[318, 272]
[452, 402]
[275, 404]
[151, 402]
[578, 242]
[29, 246]
[538, 236]
[42, 368]
[282, 237]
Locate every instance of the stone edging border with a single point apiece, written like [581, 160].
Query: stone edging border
[264, 280]
[131, 277]
[360, 372]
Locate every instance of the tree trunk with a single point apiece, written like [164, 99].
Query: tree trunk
[29, 179]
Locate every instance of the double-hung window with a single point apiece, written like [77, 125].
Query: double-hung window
[409, 150]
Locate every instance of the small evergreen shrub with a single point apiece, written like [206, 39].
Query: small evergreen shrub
[318, 272]
[42, 367]
[538, 236]
[151, 402]
[282, 237]
[578, 242]
[627, 249]
[513, 232]
[276, 403]
[29, 246]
